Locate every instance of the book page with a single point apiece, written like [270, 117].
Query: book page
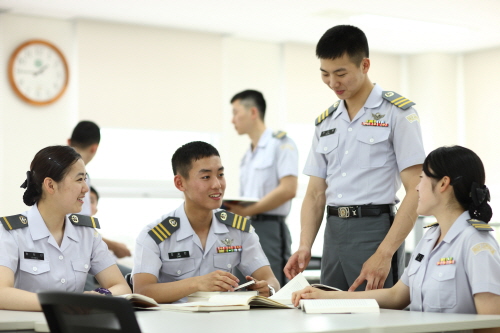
[284, 295]
[232, 299]
[339, 305]
[139, 301]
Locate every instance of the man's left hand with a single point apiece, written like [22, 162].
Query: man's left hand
[261, 286]
[374, 272]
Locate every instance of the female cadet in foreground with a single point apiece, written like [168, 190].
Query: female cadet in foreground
[456, 265]
[44, 248]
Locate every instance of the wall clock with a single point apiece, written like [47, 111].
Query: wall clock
[38, 72]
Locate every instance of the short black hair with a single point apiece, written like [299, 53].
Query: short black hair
[183, 158]
[341, 40]
[464, 168]
[85, 134]
[93, 190]
[252, 98]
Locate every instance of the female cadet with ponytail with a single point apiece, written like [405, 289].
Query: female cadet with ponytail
[456, 265]
[47, 247]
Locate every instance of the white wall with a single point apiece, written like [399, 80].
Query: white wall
[25, 129]
[142, 77]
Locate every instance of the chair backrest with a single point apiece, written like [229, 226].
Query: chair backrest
[83, 313]
[128, 278]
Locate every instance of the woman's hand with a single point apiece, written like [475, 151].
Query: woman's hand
[310, 293]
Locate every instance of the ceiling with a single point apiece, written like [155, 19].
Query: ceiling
[392, 26]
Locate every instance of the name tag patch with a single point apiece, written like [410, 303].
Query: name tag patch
[328, 132]
[419, 257]
[33, 255]
[178, 255]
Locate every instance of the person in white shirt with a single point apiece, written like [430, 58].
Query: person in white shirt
[48, 247]
[456, 265]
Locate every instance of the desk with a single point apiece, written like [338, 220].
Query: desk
[278, 321]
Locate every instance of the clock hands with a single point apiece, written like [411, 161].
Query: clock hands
[41, 70]
[34, 72]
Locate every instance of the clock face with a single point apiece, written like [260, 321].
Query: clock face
[38, 72]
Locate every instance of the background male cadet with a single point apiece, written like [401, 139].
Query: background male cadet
[85, 140]
[268, 172]
[179, 254]
[363, 147]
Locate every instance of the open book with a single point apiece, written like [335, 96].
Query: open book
[339, 306]
[299, 282]
[227, 302]
[141, 302]
[201, 296]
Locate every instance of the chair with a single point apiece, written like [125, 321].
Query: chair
[82, 313]
[128, 278]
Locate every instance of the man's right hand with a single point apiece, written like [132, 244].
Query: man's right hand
[217, 281]
[297, 262]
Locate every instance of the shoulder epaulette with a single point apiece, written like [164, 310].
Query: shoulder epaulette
[327, 113]
[234, 220]
[279, 135]
[398, 100]
[84, 221]
[435, 224]
[165, 229]
[14, 222]
[480, 225]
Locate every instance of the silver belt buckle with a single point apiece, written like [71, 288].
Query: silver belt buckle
[343, 212]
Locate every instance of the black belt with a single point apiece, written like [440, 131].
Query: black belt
[359, 211]
[265, 217]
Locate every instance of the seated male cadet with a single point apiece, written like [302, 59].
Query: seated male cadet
[197, 246]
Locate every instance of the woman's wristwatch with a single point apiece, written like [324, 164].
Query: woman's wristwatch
[271, 290]
[103, 291]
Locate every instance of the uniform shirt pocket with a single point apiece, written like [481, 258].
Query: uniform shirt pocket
[81, 268]
[443, 293]
[374, 147]
[33, 275]
[34, 267]
[328, 144]
[179, 268]
[227, 261]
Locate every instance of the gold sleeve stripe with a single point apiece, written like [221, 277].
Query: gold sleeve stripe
[161, 232]
[165, 229]
[319, 118]
[157, 235]
[235, 220]
[8, 224]
[239, 222]
[244, 223]
[401, 105]
[481, 225]
[93, 222]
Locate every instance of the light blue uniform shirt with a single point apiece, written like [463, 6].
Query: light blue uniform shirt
[361, 164]
[262, 169]
[154, 258]
[451, 288]
[64, 268]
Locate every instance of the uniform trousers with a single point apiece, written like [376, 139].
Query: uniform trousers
[275, 239]
[349, 242]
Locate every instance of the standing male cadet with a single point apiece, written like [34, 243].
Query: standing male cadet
[364, 146]
[268, 172]
[85, 139]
